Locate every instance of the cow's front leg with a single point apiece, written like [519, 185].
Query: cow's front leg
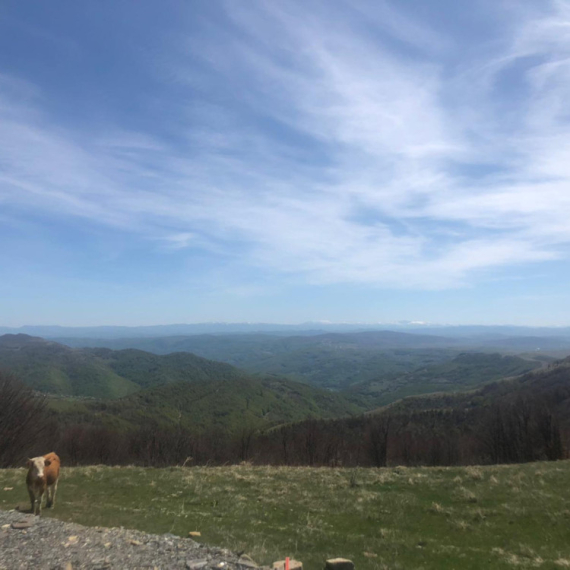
[32, 500]
[39, 503]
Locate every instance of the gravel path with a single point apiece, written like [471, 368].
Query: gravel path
[34, 542]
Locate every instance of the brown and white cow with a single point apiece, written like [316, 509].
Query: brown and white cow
[43, 474]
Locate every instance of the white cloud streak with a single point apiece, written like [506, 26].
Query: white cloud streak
[378, 166]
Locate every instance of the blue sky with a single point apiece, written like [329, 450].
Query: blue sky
[367, 161]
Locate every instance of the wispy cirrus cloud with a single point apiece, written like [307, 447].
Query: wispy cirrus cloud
[332, 142]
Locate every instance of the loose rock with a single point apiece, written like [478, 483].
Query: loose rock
[293, 565]
[196, 564]
[246, 562]
[75, 547]
[339, 564]
[20, 525]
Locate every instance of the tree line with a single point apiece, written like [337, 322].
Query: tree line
[526, 428]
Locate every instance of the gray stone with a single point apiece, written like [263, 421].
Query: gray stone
[339, 564]
[293, 565]
[20, 525]
[196, 564]
[247, 563]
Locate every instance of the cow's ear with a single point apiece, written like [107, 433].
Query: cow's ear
[47, 462]
[29, 463]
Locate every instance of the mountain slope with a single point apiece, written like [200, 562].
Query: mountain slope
[224, 404]
[146, 369]
[550, 384]
[178, 387]
[54, 368]
[101, 373]
[465, 371]
[332, 361]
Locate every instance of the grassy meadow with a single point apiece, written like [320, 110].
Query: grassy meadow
[393, 518]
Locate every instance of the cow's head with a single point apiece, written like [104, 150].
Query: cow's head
[37, 465]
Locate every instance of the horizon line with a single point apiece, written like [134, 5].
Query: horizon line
[418, 324]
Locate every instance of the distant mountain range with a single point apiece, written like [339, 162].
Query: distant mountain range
[113, 332]
[309, 328]
[331, 360]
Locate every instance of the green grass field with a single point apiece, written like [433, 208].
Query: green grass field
[394, 518]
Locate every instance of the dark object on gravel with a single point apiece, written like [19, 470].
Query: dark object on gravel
[22, 524]
[54, 545]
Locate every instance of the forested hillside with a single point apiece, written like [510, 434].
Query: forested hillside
[101, 373]
[550, 384]
[517, 420]
[161, 408]
[340, 360]
[526, 418]
[126, 389]
[333, 361]
[229, 405]
[465, 371]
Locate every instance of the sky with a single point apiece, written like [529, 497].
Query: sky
[291, 161]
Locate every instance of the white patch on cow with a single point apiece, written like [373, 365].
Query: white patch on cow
[38, 465]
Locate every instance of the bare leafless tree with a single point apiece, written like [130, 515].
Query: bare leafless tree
[377, 439]
[24, 421]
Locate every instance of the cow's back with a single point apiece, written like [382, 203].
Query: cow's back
[51, 471]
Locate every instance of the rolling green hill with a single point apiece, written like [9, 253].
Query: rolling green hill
[53, 368]
[225, 404]
[340, 368]
[267, 401]
[333, 361]
[338, 361]
[148, 370]
[464, 372]
[550, 384]
[129, 388]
